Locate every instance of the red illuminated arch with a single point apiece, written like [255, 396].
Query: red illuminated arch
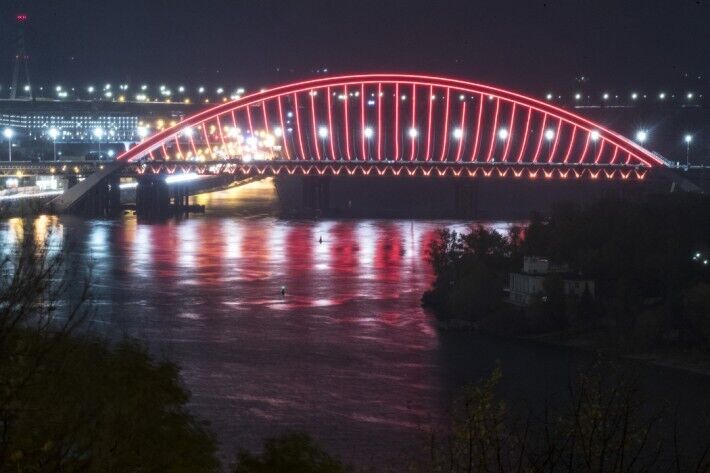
[378, 118]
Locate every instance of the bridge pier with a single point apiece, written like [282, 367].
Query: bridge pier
[103, 200]
[316, 193]
[152, 198]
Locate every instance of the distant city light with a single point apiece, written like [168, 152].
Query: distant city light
[53, 133]
[688, 138]
[503, 133]
[90, 89]
[142, 131]
[577, 96]
[662, 95]
[641, 136]
[98, 132]
[278, 132]
[549, 96]
[634, 96]
[8, 133]
[605, 96]
[689, 95]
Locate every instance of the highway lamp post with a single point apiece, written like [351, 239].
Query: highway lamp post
[688, 140]
[54, 134]
[323, 134]
[9, 133]
[99, 134]
[368, 136]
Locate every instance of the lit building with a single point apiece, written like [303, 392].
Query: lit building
[528, 284]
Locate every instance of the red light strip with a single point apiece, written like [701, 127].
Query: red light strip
[509, 139]
[313, 123]
[251, 125]
[494, 130]
[586, 147]
[445, 138]
[526, 132]
[571, 144]
[204, 133]
[557, 140]
[599, 154]
[379, 121]
[330, 127]
[347, 124]
[192, 145]
[298, 126]
[430, 99]
[613, 158]
[462, 128]
[542, 137]
[221, 135]
[267, 128]
[413, 143]
[364, 156]
[234, 119]
[177, 143]
[284, 134]
[166, 156]
[474, 154]
[396, 121]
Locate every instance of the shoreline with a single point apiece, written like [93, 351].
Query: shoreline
[696, 363]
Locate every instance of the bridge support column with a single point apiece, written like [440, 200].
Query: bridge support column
[103, 200]
[316, 193]
[152, 198]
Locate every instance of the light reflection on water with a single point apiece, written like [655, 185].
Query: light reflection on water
[348, 355]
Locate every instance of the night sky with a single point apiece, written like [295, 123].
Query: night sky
[527, 45]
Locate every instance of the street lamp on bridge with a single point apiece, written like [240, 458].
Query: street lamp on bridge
[54, 134]
[9, 133]
[688, 139]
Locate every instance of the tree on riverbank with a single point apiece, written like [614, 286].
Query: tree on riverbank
[649, 260]
[73, 403]
[604, 428]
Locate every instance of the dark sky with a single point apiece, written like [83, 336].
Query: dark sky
[527, 45]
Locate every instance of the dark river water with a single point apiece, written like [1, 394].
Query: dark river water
[347, 355]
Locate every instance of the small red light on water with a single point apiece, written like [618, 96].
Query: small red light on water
[21, 17]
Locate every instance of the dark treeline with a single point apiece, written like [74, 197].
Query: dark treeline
[648, 259]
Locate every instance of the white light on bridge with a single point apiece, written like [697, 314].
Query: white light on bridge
[594, 135]
[53, 133]
[549, 134]
[503, 133]
[688, 138]
[413, 132]
[323, 132]
[278, 132]
[8, 133]
[368, 132]
[641, 136]
[142, 132]
[690, 96]
[98, 133]
[458, 133]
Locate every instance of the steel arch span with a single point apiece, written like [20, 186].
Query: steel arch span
[390, 122]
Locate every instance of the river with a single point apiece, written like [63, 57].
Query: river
[347, 354]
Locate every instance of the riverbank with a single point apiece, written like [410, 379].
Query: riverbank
[696, 362]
